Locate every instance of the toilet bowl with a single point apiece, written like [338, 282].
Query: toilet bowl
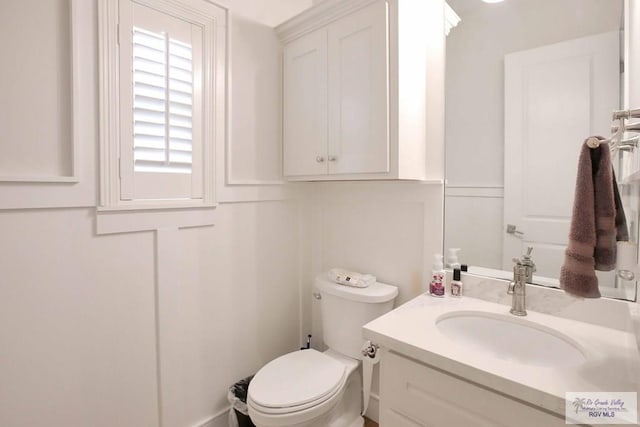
[302, 389]
[308, 388]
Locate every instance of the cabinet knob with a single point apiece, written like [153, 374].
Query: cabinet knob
[319, 159]
[333, 158]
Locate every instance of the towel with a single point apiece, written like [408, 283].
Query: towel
[597, 221]
[350, 278]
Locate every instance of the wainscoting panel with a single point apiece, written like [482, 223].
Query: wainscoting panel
[473, 222]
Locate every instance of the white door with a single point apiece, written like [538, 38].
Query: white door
[305, 105]
[555, 97]
[358, 92]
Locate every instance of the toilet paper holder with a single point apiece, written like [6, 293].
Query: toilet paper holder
[371, 357]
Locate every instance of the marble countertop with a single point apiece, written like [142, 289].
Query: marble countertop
[612, 358]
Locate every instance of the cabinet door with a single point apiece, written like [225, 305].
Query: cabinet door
[397, 419]
[358, 92]
[305, 105]
[413, 394]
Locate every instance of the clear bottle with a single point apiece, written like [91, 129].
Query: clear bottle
[436, 284]
[452, 258]
[456, 285]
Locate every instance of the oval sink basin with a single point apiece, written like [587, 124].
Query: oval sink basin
[509, 339]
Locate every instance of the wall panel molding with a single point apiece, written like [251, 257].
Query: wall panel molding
[388, 228]
[487, 191]
[231, 186]
[324, 198]
[77, 187]
[139, 220]
[74, 120]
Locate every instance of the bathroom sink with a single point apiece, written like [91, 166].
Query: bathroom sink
[511, 339]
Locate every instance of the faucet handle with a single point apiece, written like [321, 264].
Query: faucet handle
[525, 259]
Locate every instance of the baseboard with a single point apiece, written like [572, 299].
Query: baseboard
[218, 420]
[373, 410]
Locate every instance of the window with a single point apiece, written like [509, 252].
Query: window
[163, 101]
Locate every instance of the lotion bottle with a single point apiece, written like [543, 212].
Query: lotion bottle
[436, 285]
[456, 285]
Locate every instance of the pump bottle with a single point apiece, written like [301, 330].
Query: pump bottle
[436, 285]
[452, 258]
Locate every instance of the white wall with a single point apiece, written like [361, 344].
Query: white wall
[475, 105]
[632, 66]
[130, 329]
[78, 314]
[151, 327]
[255, 152]
[38, 85]
[389, 229]
[632, 70]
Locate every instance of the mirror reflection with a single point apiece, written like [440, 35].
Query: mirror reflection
[527, 82]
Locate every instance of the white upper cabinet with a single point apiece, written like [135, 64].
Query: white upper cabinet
[364, 90]
[305, 105]
[358, 93]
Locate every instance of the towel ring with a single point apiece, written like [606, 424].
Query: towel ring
[593, 142]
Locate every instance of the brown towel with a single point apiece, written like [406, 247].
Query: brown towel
[597, 222]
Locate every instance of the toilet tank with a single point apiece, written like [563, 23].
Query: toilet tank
[345, 310]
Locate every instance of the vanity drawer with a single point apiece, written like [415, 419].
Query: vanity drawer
[413, 394]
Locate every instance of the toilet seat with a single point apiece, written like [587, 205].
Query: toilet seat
[296, 381]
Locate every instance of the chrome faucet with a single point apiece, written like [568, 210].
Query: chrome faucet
[522, 274]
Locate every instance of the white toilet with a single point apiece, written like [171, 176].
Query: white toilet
[311, 389]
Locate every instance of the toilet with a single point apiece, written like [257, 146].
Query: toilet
[308, 388]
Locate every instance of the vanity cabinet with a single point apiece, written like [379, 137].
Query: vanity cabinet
[363, 84]
[414, 394]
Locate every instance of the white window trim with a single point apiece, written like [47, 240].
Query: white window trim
[214, 101]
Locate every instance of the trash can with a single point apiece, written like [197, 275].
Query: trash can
[239, 415]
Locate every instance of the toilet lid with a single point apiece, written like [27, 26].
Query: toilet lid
[296, 379]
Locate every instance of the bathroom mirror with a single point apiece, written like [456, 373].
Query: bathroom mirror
[527, 82]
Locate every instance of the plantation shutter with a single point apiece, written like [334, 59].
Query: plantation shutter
[163, 103]
[161, 154]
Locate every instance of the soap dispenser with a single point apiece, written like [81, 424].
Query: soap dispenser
[452, 258]
[436, 285]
